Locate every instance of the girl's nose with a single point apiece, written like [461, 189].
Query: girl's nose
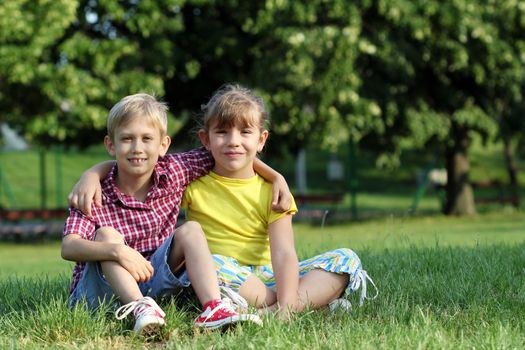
[234, 138]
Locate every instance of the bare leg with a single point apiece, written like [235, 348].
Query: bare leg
[190, 248]
[256, 293]
[318, 288]
[123, 284]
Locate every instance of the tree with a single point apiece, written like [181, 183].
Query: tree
[66, 62]
[27, 35]
[440, 72]
[385, 74]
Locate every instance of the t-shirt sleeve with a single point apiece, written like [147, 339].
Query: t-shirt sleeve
[79, 224]
[274, 216]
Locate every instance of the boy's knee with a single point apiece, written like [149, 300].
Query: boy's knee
[108, 234]
[191, 226]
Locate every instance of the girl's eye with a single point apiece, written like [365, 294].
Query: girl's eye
[247, 131]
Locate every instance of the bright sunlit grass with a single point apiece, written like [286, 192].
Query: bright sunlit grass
[445, 283]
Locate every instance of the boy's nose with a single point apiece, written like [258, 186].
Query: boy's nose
[136, 147]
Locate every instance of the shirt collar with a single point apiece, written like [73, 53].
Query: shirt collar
[110, 189]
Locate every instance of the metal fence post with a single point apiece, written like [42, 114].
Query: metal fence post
[43, 189]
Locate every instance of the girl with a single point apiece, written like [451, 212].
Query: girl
[253, 246]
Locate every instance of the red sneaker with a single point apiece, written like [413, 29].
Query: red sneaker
[218, 313]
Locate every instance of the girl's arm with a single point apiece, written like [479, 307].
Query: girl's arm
[281, 195]
[285, 265]
[88, 187]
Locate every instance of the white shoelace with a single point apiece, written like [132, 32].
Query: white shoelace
[360, 281]
[235, 298]
[143, 306]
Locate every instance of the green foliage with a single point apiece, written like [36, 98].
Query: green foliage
[385, 74]
[69, 64]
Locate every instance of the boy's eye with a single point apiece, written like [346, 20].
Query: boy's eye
[247, 131]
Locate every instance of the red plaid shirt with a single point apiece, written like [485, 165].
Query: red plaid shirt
[144, 226]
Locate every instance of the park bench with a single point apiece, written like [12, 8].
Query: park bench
[32, 223]
[317, 206]
[323, 198]
[502, 195]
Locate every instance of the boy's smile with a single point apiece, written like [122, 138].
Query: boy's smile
[137, 146]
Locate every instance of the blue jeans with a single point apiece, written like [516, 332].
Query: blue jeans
[94, 289]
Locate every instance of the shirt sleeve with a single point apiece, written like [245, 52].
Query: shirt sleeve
[274, 216]
[79, 224]
[192, 164]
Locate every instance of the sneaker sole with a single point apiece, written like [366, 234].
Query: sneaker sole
[230, 321]
[150, 329]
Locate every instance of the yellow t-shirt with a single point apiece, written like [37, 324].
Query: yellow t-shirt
[234, 214]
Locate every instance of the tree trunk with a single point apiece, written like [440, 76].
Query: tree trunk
[459, 195]
[511, 170]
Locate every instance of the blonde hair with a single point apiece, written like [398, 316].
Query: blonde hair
[233, 104]
[138, 105]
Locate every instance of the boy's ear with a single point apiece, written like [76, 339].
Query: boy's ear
[205, 139]
[262, 140]
[109, 146]
[164, 145]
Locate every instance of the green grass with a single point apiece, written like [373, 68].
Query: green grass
[445, 283]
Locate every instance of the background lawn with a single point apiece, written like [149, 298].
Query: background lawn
[444, 283]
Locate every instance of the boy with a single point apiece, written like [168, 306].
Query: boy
[129, 248]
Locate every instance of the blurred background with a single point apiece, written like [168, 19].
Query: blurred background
[377, 108]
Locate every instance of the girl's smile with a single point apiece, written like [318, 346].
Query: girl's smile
[234, 148]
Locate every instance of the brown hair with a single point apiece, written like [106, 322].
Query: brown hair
[232, 104]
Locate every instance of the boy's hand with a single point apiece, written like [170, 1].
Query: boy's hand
[281, 195]
[84, 192]
[140, 268]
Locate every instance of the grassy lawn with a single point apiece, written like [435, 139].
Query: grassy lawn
[445, 283]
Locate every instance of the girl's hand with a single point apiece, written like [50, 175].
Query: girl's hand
[281, 313]
[284, 314]
[84, 192]
[281, 195]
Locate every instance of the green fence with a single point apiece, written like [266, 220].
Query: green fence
[42, 179]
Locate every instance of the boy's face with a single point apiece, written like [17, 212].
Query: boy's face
[137, 146]
[234, 148]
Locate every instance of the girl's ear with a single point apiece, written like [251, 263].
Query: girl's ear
[110, 147]
[164, 145]
[262, 140]
[205, 139]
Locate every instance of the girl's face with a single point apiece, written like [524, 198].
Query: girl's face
[234, 148]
